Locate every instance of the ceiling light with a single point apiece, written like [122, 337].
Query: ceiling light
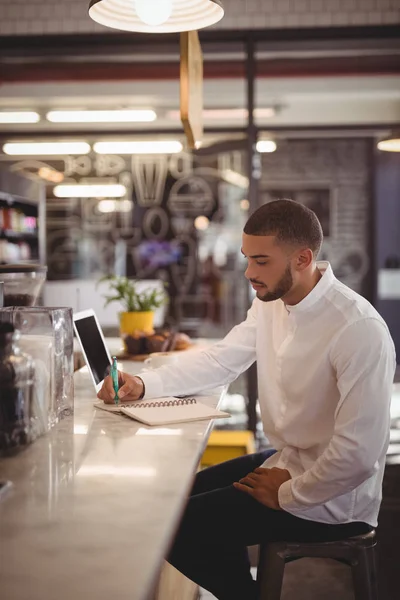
[156, 16]
[266, 146]
[103, 190]
[265, 113]
[19, 117]
[225, 114]
[238, 113]
[101, 116]
[154, 147]
[46, 148]
[110, 206]
[391, 144]
[154, 13]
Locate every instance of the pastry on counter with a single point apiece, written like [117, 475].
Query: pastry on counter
[161, 341]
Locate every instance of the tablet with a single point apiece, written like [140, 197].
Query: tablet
[91, 338]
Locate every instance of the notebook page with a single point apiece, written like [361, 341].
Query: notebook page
[117, 407]
[166, 415]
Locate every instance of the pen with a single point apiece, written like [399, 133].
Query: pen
[114, 375]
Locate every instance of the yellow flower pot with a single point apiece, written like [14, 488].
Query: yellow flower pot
[134, 323]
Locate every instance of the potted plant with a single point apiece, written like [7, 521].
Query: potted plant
[138, 317]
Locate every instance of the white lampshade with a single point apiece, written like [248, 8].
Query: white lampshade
[156, 16]
[390, 144]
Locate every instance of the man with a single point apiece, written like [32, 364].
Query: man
[326, 363]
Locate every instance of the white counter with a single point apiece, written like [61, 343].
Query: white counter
[95, 504]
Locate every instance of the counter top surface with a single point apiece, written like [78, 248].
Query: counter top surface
[95, 503]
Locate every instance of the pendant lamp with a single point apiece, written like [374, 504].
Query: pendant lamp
[390, 144]
[156, 16]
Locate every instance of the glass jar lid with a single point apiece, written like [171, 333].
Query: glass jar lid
[20, 268]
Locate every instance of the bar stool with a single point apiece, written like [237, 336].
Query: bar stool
[357, 552]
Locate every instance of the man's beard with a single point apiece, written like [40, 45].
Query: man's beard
[281, 289]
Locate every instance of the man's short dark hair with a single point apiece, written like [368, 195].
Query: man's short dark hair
[291, 223]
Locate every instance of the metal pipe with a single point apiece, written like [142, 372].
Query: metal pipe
[254, 172]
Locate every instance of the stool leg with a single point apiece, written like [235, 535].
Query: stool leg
[365, 575]
[270, 572]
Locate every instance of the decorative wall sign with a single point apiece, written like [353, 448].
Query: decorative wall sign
[149, 176]
[191, 196]
[158, 237]
[156, 223]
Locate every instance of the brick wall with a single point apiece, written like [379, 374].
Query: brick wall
[24, 17]
[332, 177]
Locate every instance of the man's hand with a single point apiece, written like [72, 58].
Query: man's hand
[263, 485]
[130, 388]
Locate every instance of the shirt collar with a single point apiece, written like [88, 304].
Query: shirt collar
[317, 292]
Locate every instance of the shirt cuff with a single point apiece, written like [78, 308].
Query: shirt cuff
[285, 496]
[153, 385]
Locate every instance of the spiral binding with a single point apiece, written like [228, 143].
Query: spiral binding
[180, 402]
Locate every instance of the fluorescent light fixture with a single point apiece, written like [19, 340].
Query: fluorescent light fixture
[266, 146]
[19, 117]
[391, 144]
[264, 113]
[228, 114]
[237, 113]
[154, 147]
[45, 148]
[101, 116]
[78, 190]
[110, 206]
[156, 16]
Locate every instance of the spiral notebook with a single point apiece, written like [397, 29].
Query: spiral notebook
[165, 411]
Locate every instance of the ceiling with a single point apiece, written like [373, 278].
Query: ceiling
[314, 81]
[299, 102]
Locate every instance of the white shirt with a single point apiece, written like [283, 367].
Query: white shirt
[325, 374]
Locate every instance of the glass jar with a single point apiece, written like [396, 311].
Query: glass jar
[16, 391]
[22, 283]
[47, 336]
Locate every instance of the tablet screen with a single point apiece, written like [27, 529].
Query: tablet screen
[92, 342]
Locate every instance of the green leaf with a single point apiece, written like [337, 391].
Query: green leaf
[124, 290]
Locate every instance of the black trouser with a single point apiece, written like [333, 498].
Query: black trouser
[220, 522]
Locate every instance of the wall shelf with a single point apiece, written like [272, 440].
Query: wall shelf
[27, 199]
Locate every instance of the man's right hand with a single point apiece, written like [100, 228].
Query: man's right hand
[130, 388]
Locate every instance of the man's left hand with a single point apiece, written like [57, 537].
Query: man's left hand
[263, 485]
